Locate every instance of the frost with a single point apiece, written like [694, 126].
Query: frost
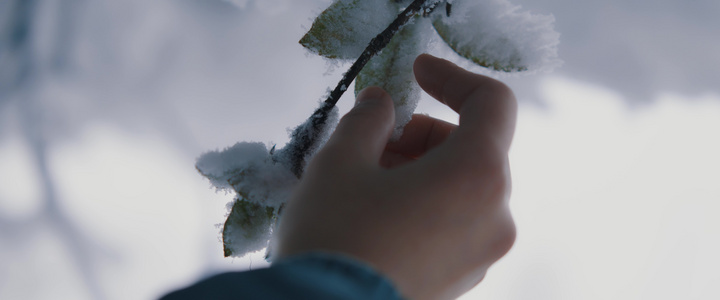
[498, 35]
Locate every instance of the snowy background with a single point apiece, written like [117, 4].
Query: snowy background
[104, 106]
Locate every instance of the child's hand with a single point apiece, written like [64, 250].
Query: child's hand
[430, 211]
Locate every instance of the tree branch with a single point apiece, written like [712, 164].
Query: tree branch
[306, 135]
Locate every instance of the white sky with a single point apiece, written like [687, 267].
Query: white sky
[612, 200]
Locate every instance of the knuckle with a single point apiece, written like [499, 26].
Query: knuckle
[500, 88]
[498, 184]
[487, 88]
[502, 98]
[498, 172]
[505, 239]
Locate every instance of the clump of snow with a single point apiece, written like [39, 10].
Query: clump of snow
[503, 33]
[220, 166]
[249, 170]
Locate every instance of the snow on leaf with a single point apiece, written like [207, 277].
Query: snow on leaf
[249, 170]
[262, 186]
[263, 182]
[219, 166]
[345, 28]
[392, 71]
[482, 57]
[247, 228]
[497, 35]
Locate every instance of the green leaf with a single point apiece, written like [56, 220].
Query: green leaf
[483, 54]
[345, 28]
[250, 222]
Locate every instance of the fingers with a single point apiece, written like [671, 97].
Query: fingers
[362, 133]
[391, 160]
[421, 134]
[486, 106]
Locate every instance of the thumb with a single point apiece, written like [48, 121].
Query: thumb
[363, 132]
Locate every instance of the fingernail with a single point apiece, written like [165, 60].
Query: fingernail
[372, 92]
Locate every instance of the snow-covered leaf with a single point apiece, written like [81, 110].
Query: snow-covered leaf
[262, 180]
[482, 56]
[247, 228]
[250, 171]
[497, 35]
[392, 70]
[345, 28]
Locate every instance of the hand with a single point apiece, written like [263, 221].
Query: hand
[430, 211]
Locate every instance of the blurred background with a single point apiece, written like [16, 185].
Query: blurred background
[104, 106]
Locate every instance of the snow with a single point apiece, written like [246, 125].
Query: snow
[248, 169]
[501, 32]
[260, 184]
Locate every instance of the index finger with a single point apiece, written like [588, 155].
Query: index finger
[487, 107]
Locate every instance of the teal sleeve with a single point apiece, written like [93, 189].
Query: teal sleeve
[311, 276]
